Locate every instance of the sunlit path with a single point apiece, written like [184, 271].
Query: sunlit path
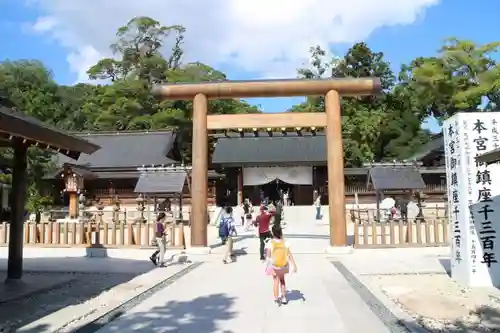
[238, 298]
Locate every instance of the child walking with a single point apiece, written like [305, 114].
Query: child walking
[279, 258]
[227, 229]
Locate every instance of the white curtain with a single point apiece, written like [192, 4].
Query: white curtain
[291, 175]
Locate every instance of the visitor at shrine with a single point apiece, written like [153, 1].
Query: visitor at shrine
[161, 241]
[227, 229]
[263, 222]
[247, 214]
[278, 259]
[317, 204]
[402, 205]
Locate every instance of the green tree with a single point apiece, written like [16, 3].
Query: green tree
[141, 61]
[28, 86]
[375, 128]
[460, 78]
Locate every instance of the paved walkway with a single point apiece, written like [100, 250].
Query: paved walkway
[238, 297]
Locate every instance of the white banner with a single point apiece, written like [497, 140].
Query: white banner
[473, 197]
[291, 175]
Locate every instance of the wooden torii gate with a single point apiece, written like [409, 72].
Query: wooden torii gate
[331, 119]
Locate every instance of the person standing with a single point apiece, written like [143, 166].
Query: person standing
[286, 198]
[161, 241]
[247, 214]
[279, 257]
[263, 221]
[317, 204]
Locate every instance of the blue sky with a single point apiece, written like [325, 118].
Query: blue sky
[459, 18]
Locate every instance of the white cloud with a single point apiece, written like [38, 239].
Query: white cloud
[45, 24]
[263, 37]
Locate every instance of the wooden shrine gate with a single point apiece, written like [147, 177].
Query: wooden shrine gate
[331, 120]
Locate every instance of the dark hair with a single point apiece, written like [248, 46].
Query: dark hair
[160, 216]
[277, 231]
[229, 209]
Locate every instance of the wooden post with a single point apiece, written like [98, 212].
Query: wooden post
[199, 184]
[73, 205]
[335, 157]
[19, 182]
[240, 186]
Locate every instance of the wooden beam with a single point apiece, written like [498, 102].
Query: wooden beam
[268, 88]
[261, 120]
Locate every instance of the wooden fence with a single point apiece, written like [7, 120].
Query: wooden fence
[371, 234]
[88, 234]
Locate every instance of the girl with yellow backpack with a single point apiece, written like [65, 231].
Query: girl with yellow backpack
[279, 258]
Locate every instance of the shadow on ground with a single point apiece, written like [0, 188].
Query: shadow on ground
[203, 314]
[486, 319]
[78, 281]
[446, 263]
[295, 295]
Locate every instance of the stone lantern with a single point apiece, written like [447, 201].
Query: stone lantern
[73, 184]
[141, 206]
[116, 209]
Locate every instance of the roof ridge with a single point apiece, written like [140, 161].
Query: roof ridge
[118, 133]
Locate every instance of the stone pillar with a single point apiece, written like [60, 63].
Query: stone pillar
[199, 176]
[16, 232]
[335, 158]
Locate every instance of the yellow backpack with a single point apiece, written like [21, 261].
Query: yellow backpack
[279, 253]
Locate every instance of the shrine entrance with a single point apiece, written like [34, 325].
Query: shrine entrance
[331, 120]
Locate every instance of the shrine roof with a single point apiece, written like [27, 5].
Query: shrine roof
[161, 182]
[434, 147]
[126, 149]
[396, 178]
[33, 132]
[490, 157]
[264, 149]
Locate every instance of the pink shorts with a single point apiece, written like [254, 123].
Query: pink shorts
[271, 270]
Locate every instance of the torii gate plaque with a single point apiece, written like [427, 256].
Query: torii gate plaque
[332, 89]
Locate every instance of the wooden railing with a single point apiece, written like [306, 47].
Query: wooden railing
[367, 215]
[400, 234]
[362, 188]
[89, 234]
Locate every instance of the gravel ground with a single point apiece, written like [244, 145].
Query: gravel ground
[83, 289]
[440, 304]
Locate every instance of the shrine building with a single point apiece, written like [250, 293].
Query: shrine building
[296, 162]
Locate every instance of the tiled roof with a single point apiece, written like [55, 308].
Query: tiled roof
[396, 178]
[266, 149]
[161, 182]
[126, 149]
[33, 131]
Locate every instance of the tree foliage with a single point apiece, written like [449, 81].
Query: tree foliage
[375, 128]
[462, 76]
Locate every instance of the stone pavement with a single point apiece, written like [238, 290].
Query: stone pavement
[238, 298]
[326, 295]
